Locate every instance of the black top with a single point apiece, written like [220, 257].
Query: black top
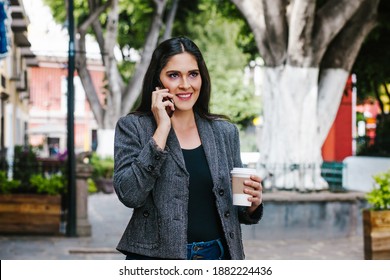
[203, 220]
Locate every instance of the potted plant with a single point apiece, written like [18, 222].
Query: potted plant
[102, 173]
[7, 186]
[35, 212]
[376, 219]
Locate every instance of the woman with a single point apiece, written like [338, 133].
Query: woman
[172, 165]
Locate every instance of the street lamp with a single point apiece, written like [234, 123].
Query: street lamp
[71, 224]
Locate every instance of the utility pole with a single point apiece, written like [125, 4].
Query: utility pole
[71, 224]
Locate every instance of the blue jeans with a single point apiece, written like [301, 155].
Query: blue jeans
[209, 250]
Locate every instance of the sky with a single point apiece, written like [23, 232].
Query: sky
[46, 36]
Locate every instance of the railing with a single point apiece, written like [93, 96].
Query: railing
[43, 166]
[22, 170]
[290, 176]
[302, 177]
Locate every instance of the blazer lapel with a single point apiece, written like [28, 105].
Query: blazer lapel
[207, 137]
[175, 150]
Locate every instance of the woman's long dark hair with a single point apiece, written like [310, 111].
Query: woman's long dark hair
[160, 58]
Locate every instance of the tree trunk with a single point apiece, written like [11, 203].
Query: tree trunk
[291, 141]
[308, 52]
[289, 146]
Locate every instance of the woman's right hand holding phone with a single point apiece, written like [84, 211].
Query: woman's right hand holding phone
[162, 106]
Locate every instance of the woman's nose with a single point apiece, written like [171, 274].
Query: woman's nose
[184, 84]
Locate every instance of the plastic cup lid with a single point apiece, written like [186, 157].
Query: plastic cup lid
[246, 171]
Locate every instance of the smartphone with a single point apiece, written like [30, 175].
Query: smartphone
[168, 109]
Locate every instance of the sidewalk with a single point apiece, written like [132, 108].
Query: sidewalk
[109, 217]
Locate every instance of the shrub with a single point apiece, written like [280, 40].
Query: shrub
[7, 186]
[91, 186]
[379, 196]
[25, 165]
[52, 185]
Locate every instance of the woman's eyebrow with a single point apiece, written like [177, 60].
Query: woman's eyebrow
[193, 70]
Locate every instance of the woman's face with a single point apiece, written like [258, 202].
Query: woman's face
[182, 78]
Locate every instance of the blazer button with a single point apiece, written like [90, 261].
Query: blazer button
[150, 167]
[227, 214]
[221, 192]
[157, 157]
[146, 213]
[231, 235]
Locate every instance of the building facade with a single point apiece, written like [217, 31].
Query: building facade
[16, 60]
[47, 126]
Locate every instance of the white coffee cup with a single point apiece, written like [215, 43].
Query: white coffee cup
[239, 175]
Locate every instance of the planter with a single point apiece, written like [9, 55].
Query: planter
[376, 227]
[30, 214]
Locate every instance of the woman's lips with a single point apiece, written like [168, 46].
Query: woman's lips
[184, 96]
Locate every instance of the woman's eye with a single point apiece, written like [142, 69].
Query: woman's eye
[194, 74]
[173, 75]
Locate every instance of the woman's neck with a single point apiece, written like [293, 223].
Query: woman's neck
[183, 120]
[186, 130]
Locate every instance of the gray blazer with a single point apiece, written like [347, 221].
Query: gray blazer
[155, 183]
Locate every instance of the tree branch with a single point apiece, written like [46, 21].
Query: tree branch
[300, 33]
[276, 29]
[330, 19]
[81, 61]
[115, 82]
[96, 12]
[93, 20]
[345, 47]
[268, 23]
[86, 80]
[253, 12]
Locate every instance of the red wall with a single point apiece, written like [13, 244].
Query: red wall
[338, 144]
